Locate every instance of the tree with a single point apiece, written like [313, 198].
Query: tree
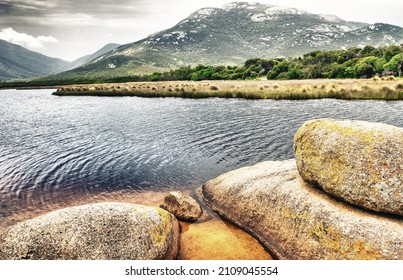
[295, 73]
[252, 61]
[391, 51]
[395, 65]
[203, 73]
[279, 68]
[338, 71]
[316, 72]
[367, 67]
[369, 51]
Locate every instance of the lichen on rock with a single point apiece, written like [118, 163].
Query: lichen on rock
[356, 161]
[296, 221]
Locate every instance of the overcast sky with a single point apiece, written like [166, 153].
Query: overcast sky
[72, 28]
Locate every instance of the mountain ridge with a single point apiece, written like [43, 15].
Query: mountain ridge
[236, 32]
[231, 35]
[89, 57]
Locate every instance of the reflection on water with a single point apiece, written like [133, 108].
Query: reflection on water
[60, 151]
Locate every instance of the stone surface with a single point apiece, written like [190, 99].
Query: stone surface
[102, 231]
[357, 161]
[182, 206]
[297, 221]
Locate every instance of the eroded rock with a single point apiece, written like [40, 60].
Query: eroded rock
[102, 231]
[297, 221]
[182, 206]
[357, 161]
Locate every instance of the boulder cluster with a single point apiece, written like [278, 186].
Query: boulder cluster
[341, 198]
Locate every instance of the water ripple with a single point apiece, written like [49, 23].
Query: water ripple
[56, 149]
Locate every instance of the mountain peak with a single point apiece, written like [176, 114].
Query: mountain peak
[237, 5]
[245, 5]
[263, 8]
[203, 13]
[331, 18]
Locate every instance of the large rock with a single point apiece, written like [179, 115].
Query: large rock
[96, 231]
[182, 206]
[357, 161]
[296, 221]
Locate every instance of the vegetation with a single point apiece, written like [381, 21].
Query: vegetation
[340, 64]
[377, 88]
[354, 63]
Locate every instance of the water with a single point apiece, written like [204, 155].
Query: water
[58, 150]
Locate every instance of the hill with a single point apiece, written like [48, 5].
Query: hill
[17, 62]
[85, 59]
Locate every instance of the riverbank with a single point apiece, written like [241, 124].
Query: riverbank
[384, 89]
[210, 238]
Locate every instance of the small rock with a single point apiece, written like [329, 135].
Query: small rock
[182, 206]
[102, 231]
[296, 221]
[359, 162]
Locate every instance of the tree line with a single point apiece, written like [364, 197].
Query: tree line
[358, 63]
[365, 62]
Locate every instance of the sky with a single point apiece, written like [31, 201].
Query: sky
[69, 29]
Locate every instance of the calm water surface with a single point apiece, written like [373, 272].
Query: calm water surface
[58, 149]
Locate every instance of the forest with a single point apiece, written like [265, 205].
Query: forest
[356, 63]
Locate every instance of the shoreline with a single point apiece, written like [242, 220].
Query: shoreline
[212, 238]
[349, 89]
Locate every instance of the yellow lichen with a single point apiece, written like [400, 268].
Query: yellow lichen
[334, 166]
[347, 248]
[159, 232]
[289, 214]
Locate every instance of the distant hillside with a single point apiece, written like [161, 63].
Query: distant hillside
[17, 62]
[85, 59]
[233, 34]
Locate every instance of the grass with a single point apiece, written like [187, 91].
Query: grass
[384, 89]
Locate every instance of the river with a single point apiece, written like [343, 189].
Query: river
[58, 151]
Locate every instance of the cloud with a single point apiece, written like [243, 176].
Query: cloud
[94, 7]
[25, 40]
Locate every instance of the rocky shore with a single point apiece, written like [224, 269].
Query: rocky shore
[315, 208]
[127, 230]
[341, 198]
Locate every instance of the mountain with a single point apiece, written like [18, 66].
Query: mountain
[85, 59]
[17, 62]
[235, 33]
